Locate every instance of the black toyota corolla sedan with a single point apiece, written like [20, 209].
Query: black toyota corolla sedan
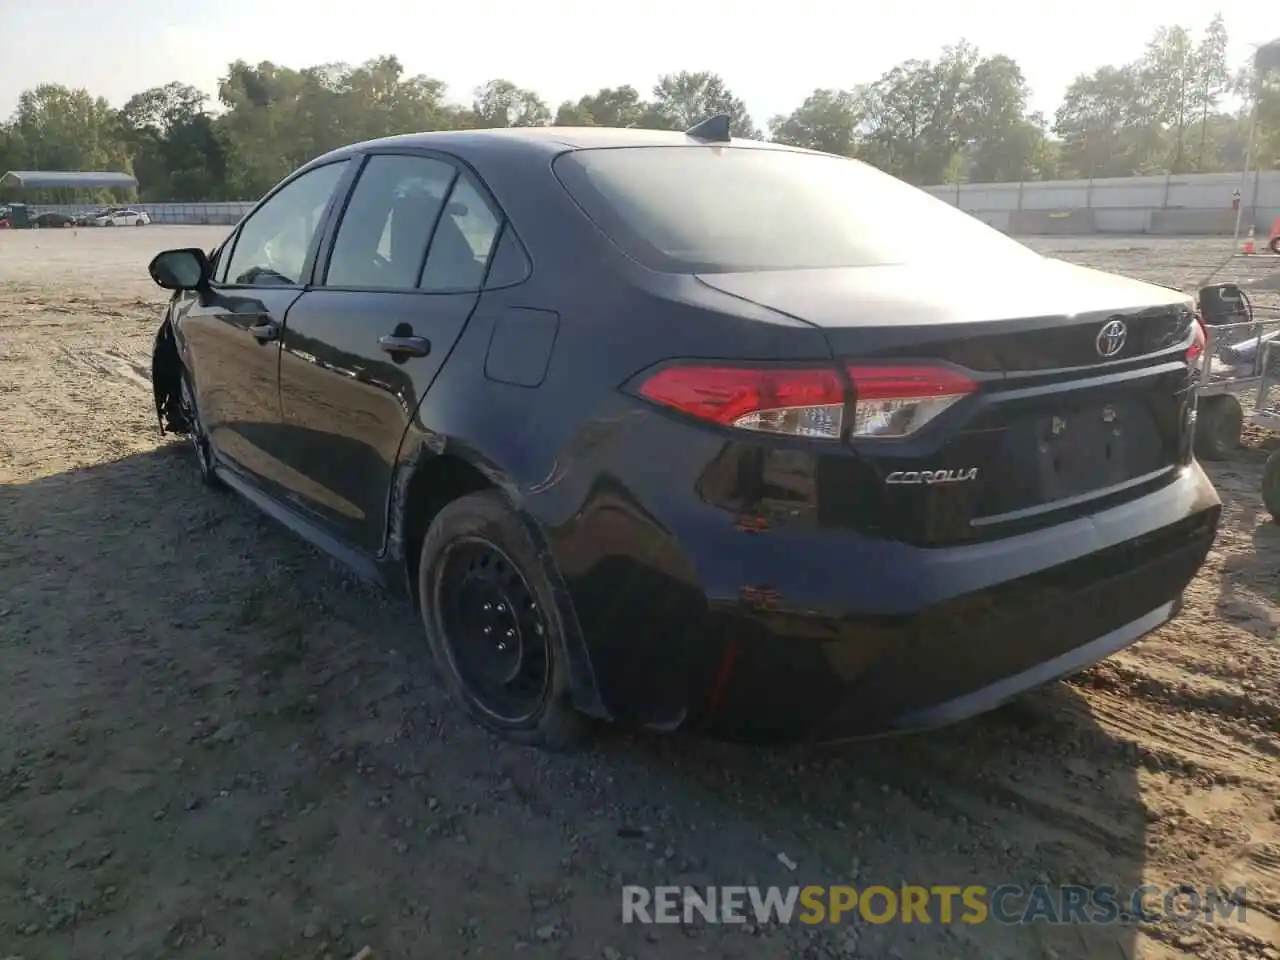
[689, 432]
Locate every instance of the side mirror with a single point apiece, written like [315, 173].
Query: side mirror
[186, 268]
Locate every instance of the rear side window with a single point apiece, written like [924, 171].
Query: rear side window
[724, 209]
[463, 240]
[382, 240]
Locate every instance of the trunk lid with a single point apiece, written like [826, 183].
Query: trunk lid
[1070, 416]
[1028, 315]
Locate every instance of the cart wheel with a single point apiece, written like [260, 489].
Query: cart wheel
[1219, 423]
[1271, 485]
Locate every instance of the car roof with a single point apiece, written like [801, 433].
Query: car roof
[546, 141]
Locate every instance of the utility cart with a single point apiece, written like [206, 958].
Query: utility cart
[1239, 371]
[1237, 330]
[1266, 414]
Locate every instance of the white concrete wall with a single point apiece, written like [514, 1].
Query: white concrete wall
[1120, 205]
[212, 213]
[1127, 204]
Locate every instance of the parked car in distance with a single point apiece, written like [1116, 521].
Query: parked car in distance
[123, 218]
[51, 218]
[685, 431]
[90, 218]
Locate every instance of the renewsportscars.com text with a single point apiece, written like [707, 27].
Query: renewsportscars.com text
[1006, 904]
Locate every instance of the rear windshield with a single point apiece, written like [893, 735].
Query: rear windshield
[714, 210]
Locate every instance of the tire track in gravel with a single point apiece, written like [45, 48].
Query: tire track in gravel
[109, 363]
[1175, 689]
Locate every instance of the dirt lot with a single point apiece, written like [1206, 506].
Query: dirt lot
[216, 743]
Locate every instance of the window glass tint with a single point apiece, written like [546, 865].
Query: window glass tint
[383, 236]
[224, 260]
[510, 265]
[701, 209]
[272, 245]
[460, 247]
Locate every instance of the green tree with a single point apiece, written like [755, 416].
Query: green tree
[1106, 125]
[1167, 74]
[260, 124]
[683, 99]
[922, 114]
[607, 107]
[1001, 142]
[500, 103]
[960, 116]
[827, 120]
[1211, 81]
[176, 152]
[57, 128]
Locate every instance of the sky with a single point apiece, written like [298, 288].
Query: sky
[771, 54]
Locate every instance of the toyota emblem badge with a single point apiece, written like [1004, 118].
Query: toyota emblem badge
[1111, 338]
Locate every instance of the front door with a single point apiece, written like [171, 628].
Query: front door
[362, 346]
[230, 334]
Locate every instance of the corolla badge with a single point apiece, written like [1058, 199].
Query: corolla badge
[932, 476]
[1111, 338]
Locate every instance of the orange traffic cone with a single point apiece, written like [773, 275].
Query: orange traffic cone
[1249, 249]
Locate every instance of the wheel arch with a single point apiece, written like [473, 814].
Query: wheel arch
[166, 374]
[432, 474]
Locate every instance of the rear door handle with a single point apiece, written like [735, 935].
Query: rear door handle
[405, 346]
[265, 331]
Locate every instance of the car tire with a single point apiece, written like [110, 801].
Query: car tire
[138, 223]
[1274, 245]
[196, 435]
[492, 618]
[1271, 485]
[1219, 424]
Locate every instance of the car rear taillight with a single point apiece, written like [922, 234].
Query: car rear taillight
[896, 401]
[797, 402]
[1200, 338]
[890, 401]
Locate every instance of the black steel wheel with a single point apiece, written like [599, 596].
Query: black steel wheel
[1219, 424]
[493, 630]
[196, 435]
[493, 622]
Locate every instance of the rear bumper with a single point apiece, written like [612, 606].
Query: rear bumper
[973, 651]
[793, 635]
[1000, 691]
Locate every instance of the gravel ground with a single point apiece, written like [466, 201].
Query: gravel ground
[216, 743]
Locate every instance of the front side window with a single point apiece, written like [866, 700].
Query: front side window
[272, 245]
[383, 237]
[725, 209]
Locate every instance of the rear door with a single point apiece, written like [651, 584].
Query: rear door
[404, 270]
[230, 333]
